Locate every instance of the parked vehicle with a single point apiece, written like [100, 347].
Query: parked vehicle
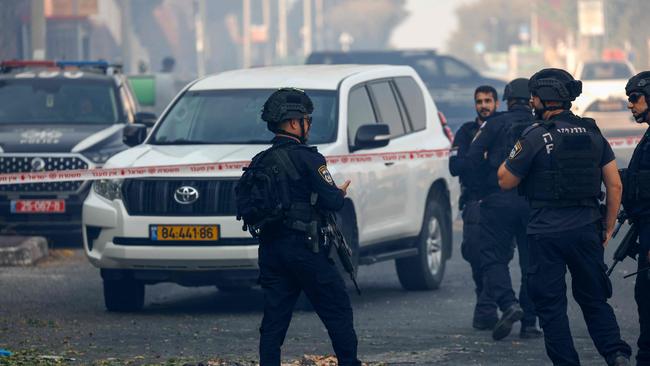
[450, 81]
[58, 116]
[138, 232]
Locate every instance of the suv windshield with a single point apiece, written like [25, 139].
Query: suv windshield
[233, 117]
[605, 71]
[57, 100]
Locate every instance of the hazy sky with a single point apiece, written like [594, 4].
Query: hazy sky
[429, 24]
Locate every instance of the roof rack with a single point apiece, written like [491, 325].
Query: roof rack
[102, 66]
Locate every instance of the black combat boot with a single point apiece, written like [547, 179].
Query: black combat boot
[508, 318]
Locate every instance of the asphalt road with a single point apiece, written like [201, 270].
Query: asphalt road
[56, 308]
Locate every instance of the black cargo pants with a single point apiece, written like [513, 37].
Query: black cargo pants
[288, 267]
[642, 295]
[580, 250]
[504, 217]
[486, 308]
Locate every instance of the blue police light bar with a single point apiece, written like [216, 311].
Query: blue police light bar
[82, 64]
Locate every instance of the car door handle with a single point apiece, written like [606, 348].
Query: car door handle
[389, 163]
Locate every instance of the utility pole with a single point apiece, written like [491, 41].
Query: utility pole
[125, 29]
[268, 48]
[320, 25]
[246, 36]
[281, 46]
[534, 25]
[199, 31]
[306, 29]
[38, 29]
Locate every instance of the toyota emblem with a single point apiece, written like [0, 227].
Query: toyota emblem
[186, 195]
[37, 165]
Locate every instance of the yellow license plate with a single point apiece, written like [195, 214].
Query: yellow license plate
[184, 232]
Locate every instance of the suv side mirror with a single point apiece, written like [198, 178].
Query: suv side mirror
[146, 118]
[134, 134]
[371, 136]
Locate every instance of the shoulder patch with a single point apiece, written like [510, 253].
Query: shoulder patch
[515, 150]
[325, 174]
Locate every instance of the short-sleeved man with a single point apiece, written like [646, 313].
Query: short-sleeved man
[533, 151]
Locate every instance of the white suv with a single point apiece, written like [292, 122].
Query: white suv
[400, 205]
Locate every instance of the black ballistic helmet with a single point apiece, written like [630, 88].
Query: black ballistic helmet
[517, 89]
[286, 103]
[639, 83]
[555, 85]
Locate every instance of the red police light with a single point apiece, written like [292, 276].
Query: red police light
[13, 64]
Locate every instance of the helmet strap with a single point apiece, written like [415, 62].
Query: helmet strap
[539, 113]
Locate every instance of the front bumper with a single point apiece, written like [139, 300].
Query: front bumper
[46, 224]
[115, 240]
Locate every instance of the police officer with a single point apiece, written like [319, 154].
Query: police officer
[504, 214]
[636, 201]
[288, 264]
[486, 104]
[559, 164]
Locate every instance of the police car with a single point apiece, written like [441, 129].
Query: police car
[58, 116]
[378, 126]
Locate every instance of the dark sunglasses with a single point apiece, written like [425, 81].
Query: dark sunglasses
[634, 97]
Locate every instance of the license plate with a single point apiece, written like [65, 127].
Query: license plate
[184, 232]
[37, 206]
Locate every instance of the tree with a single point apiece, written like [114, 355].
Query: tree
[492, 25]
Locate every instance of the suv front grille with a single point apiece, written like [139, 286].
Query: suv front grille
[144, 197]
[23, 164]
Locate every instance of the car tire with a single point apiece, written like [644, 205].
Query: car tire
[426, 270]
[124, 295]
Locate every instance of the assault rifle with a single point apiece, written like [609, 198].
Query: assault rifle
[628, 246]
[335, 239]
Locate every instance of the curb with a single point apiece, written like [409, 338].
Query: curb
[22, 250]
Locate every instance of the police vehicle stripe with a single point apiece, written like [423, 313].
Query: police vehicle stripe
[199, 170]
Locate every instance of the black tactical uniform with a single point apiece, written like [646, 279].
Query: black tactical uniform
[504, 214]
[287, 260]
[636, 201]
[560, 162]
[485, 311]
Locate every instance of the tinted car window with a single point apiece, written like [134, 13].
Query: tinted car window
[58, 100]
[360, 112]
[413, 100]
[386, 105]
[455, 69]
[233, 117]
[605, 71]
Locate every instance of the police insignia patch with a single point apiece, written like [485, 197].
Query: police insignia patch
[515, 151]
[325, 174]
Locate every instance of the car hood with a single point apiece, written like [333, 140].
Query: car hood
[156, 155]
[152, 155]
[21, 138]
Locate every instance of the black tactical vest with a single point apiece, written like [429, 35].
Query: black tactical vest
[636, 179]
[575, 176]
[263, 198]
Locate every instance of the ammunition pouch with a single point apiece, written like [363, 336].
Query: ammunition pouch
[636, 185]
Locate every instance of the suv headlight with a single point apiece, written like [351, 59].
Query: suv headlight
[108, 188]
